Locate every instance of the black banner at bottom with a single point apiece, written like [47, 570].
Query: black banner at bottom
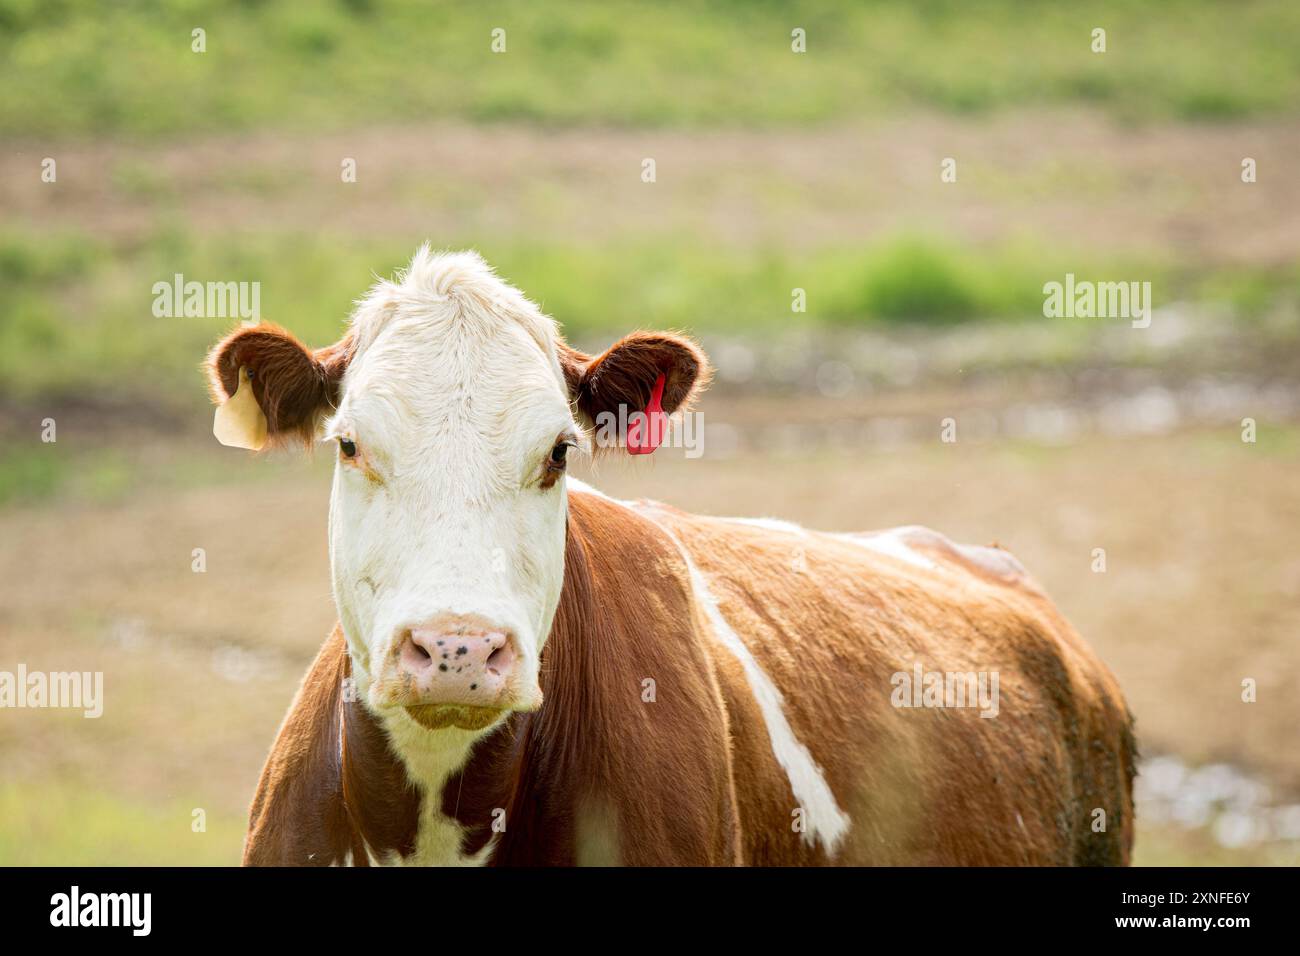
[390, 906]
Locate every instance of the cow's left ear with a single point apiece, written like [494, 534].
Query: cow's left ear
[292, 387]
[643, 372]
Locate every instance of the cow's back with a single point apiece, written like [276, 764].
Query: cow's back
[831, 622]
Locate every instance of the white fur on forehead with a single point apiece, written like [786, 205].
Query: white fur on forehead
[446, 292]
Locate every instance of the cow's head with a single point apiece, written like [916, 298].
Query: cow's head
[452, 405]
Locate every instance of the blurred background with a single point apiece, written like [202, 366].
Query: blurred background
[774, 171]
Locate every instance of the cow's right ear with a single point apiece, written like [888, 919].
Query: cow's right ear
[293, 386]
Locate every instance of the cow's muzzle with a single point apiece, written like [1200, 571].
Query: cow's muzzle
[453, 672]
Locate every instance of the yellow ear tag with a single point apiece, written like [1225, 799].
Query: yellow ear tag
[239, 421]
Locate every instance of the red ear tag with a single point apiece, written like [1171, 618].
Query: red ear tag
[646, 431]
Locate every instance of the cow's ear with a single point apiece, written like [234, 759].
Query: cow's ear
[293, 386]
[643, 372]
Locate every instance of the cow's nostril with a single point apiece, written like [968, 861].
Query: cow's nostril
[413, 655]
[499, 661]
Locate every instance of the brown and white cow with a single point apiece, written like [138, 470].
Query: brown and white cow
[528, 672]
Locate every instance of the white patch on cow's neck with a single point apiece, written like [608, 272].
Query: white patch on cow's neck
[432, 758]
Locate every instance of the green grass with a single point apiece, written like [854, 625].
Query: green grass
[112, 458]
[83, 67]
[30, 473]
[33, 472]
[77, 319]
[78, 312]
[64, 824]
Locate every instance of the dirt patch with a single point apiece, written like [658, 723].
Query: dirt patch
[1076, 179]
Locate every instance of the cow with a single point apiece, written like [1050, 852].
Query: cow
[526, 671]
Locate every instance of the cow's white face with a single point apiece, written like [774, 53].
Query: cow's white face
[451, 406]
[447, 521]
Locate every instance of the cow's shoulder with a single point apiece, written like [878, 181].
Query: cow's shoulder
[628, 670]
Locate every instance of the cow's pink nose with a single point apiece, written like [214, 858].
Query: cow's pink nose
[450, 664]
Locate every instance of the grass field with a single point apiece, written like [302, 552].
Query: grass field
[717, 245]
[130, 69]
[309, 282]
[775, 170]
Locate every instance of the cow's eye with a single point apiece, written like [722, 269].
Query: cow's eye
[347, 448]
[559, 455]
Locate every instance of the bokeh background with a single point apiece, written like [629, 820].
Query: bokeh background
[775, 171]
